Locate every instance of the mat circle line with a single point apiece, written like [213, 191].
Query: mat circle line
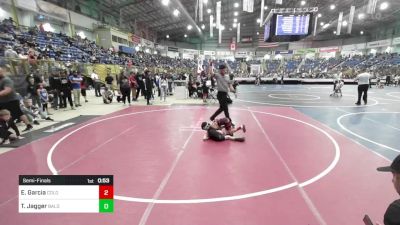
[339, 122]
[276, 96]
[376, 102]
[322, 174]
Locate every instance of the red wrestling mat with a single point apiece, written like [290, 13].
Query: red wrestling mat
[290, 170]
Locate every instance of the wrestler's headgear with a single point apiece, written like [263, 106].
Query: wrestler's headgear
[205, 126]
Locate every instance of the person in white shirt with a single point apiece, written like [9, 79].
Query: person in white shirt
[96, 82]
[363, 85]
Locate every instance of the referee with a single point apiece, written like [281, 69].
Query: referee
[363, 85]
[224, 85]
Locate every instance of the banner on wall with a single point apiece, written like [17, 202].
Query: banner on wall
[306, 51]
[233, 46]
[247, 39]
[240, 54]
[224, 53]
[160, 47]
[329, 49]
[147, 43]
[190, 51]
[396, 41]
[210, 53]
[134, 38]
[353, 47]
[288, 52]
[377, 44]
[173, 49]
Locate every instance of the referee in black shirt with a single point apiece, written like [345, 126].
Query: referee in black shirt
[224, 85]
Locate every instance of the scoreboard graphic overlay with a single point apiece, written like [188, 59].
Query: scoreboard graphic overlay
[66, 194]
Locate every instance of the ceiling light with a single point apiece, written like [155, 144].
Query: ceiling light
[322, 23]
[302, 2]
[258, 20]
[185, 35]
[205, 1]
[167, 36]
[234, 25]
[165, 2]
[344, 23]
[362, 32]
[209, 11]
[236, 4]
[326, 26]
[222, 27]
[361, 16]
[189, 27]
[265, 7]
[319, 15]
[334, 32]
[258, 33]
[235, 13]
[235, 20]
[332, 7]
[176, 12]
[203, 26]
[214, 24]
[384, 6]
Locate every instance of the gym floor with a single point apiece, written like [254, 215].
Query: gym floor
[308, 159]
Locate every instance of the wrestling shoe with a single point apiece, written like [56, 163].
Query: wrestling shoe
[28, 128]
[240, 139]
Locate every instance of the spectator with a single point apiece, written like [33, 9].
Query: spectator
[75, 78]
[107, 96]
[83, 88]
[33, 112]
[96, 82]
[65, 92]
[55, 87]
[6, 122]
[392, 215]
[9, 100]
[134, 85]
[44, 98]
[109, 81]
[148, 86]
[164, 87]
[125, 89]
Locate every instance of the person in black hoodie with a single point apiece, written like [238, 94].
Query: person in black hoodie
[125, 89]
[65, 93]
[31, 91]
[140, 89]
[148, 86]
[55, 87]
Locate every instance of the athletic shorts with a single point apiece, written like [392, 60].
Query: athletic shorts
[215, 135]
[13, 107]
[224, 122]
